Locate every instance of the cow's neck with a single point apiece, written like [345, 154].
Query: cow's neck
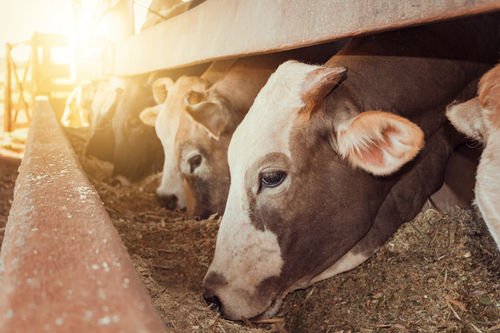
[243, 82]
[414, 70]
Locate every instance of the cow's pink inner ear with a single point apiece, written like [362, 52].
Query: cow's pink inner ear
[379, 142]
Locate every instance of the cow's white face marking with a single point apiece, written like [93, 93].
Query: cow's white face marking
[245, 256]
[167, 125]
[269, 122]
[171, 180]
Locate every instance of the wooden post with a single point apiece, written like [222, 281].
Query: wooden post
[34, 70]
[7, 124]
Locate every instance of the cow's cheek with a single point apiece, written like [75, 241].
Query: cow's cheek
[190, 200]
[199, 202]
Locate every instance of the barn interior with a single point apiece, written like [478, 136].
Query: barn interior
[85, 248]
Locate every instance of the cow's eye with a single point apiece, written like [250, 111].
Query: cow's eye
[194, 162]
[269, 179]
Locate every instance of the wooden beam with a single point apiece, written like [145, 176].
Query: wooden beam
[52, 40]
[50, 70]
[221, 29]
[20, 44]
[62, 88]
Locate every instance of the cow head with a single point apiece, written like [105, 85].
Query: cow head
[165, 117]
[102, 139]
[137, 151]
[202, 140]
[298, 162]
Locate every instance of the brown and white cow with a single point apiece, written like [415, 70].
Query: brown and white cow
[479, 118]
[196, 135]
[165, 117]
[330, 160]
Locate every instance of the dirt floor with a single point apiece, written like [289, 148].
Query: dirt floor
[8, 174]
[11, 152]
[439, 273]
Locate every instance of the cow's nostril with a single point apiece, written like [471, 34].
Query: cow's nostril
[213, 301]
[169, 201]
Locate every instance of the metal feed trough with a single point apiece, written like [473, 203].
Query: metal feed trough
[63, 267]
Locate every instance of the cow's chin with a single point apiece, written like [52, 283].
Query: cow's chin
[272, 309]
[274, 304]
[235, 307]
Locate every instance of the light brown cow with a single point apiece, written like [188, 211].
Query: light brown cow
[77, 112]
[329, 161]
[479, 118]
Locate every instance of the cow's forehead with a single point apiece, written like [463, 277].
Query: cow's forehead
[269, 122]
[173, 106]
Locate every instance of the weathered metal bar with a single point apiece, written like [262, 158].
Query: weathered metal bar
[220, 29]
[63, 267]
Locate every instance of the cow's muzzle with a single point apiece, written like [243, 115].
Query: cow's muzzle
[168, 201]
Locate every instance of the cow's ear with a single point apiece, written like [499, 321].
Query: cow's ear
[379, 142]
[160, 89]
[149, 115]
[319, 83]
[467, 117]
[210, 114]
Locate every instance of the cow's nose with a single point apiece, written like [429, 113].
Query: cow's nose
[211, 283]
[169, 201]
[213, 301]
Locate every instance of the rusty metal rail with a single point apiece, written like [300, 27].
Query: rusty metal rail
[63, 267]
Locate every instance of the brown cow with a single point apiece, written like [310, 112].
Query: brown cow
[329, 160]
